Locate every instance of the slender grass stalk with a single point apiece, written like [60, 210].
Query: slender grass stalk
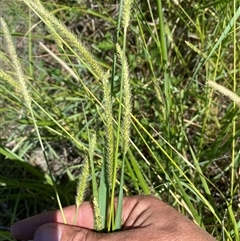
[30, 47]
[126, 122]
[103, 196]
[124, 83]
[115, 41]
[233, 172]
[165, 62]
[118, 220]
[234, 156]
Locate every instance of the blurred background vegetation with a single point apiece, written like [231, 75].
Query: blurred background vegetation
[185, 136]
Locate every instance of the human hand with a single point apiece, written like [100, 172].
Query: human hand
[143, 218]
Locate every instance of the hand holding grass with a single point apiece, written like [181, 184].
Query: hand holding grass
[143, 218]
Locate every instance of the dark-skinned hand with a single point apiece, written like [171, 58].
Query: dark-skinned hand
[143, 218]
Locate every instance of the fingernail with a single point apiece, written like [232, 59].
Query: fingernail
[47, 233]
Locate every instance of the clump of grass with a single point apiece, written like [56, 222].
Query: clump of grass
[66, 38]
[183, 144]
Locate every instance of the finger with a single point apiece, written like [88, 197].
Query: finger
[26, 228]
[62, 232]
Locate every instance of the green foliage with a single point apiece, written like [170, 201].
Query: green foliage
[147, 66]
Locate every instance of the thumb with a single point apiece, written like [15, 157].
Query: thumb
[64, 232]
